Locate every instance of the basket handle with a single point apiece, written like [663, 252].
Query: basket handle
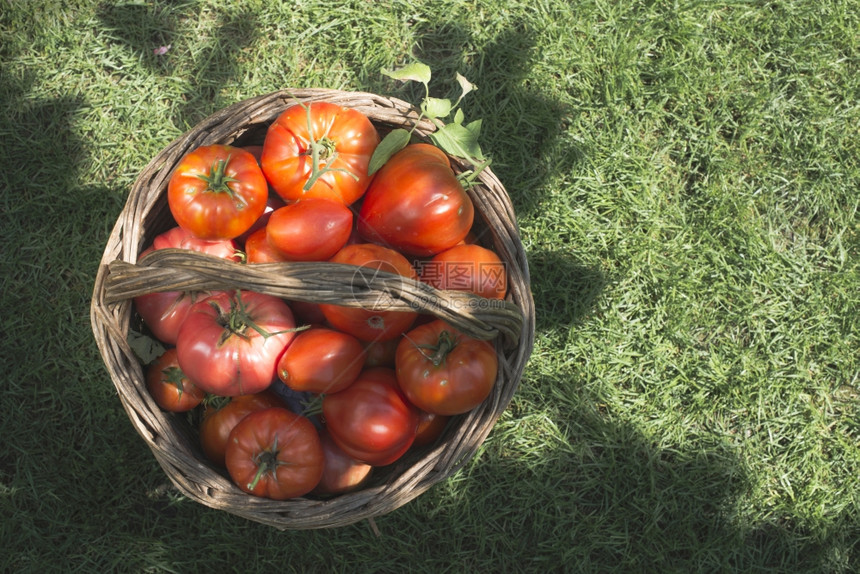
[312, 282]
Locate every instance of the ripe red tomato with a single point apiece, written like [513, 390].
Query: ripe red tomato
[371, 420]
[415, 204]
[466, 268]
[344, 140]
[443, 371]
[380, 353]
[217, 192]
[169, 386]
[430, 427]
[371, 324]
[164, 312]
[321, 360]
[275, 453]
[230, 343]
[259, 250]
[341, 472]
[312, 229]
[219, 420]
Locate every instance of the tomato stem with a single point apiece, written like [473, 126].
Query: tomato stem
[267, 461]
[324, 149]
[218, 179]
[438, 352]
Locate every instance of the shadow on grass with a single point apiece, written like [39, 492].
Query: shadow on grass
[520, 124]
[604, 496]
[145, 28]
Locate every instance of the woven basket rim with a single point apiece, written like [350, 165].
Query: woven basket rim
[170, 438]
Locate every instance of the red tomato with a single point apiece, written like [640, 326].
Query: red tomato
[380, 353]
[341, 472]
[371, 324]
[443, 371]
[169, 386]
[259, 250]
[430, 427]
[218, 421]
[230, 343]
[272, 203]
[164, 312]
[466, 268]
[312, 229]
[321, 360]
[344, 140]
[371, 420]
[275, 453]
[217, 192]
[415, 204]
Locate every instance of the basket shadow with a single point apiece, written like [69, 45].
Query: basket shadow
[565, 289]
[601, 495]
[520, 126]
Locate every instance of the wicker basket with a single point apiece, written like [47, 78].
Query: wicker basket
[172, 439]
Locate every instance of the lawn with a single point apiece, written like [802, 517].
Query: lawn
[686, 179]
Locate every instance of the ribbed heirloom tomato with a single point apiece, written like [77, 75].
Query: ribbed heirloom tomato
[164, 312]
[217, 192]
[275, 453]
[415, 204]
[319, 150]
[230, 343]
[444, 371]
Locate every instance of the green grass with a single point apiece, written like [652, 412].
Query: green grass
[686, 177]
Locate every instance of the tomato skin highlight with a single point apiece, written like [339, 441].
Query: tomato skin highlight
[217, 192]
[443, 371]
[169, 386]
[321, 360]
[275, 453]
[371, 324]
[415, 204]
[313, 229]
[287, 160]
[371, 420]
[222, 349]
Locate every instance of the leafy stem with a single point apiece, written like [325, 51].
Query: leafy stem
[455, 137]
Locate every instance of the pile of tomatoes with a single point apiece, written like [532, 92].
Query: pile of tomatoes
[302, 398]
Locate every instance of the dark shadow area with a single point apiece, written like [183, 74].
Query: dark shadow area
[521, 126]
[144, 28]
[582, 286]
[603, 496]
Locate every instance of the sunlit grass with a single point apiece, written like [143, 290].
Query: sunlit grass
[686, 177]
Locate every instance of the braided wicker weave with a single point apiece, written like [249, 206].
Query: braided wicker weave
[172, 439]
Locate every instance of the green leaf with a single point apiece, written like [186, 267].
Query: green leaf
[458, 116]
[395, 141]
[459, 141]
[466, 86]
[436, 107]
[146, 348]
[416, 71]
[475, 127]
